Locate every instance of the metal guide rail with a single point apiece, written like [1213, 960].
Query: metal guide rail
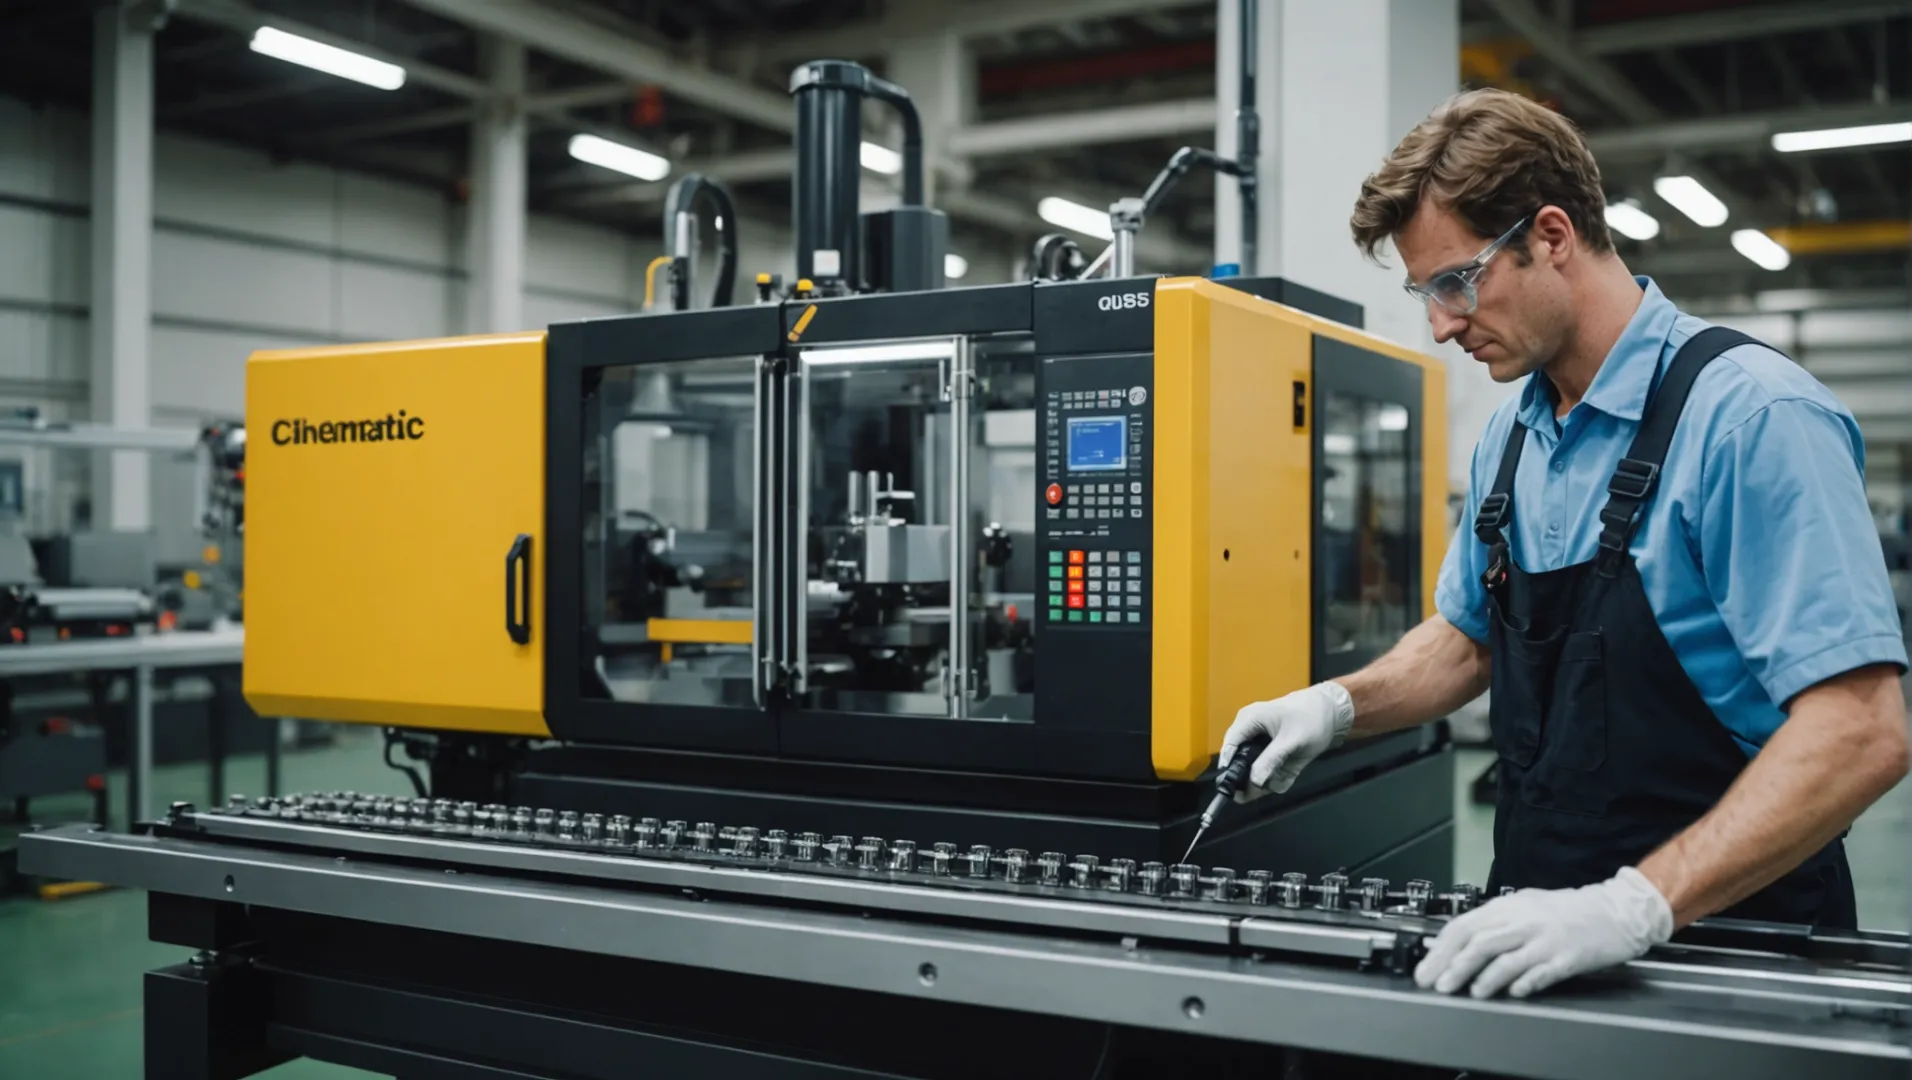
[1272, 960]
[1365, 920]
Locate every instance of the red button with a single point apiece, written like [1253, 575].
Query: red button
[1078, 600]
[1078, 557]
[1075, 586]
[1054, 494]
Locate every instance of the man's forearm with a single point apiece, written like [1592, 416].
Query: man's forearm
[1431, 672]
[1843, 746]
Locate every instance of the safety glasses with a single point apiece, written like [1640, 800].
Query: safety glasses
[1456, 289]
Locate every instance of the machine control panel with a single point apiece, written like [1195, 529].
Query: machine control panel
[1095, 587]
[1094, 501]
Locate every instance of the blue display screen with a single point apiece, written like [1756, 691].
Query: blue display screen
[1096, 444]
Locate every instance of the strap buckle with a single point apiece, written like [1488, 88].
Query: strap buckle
[1633, 479]
[1492, 516]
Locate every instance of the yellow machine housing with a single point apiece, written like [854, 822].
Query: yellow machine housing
[1233, 543]
[389, 483]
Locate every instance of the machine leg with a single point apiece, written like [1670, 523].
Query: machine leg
[139, 773]
[272, 755]
[206, 1020]
[216, 742]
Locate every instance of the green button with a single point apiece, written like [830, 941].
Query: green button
[1075, 616]
[1095, 616]
[1055, 572]
[1055, 556]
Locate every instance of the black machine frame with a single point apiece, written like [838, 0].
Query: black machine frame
[1050, 313]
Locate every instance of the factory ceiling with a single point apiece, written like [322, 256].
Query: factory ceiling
[1096, 93]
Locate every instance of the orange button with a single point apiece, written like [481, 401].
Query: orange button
[1054, 494]
[1078, 600]
[1075, 572]
[1078, 557]
[1075, 586]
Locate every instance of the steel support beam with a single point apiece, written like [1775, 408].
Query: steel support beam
[1555, 42]
[1730, 132]
[744, 168]
[122, 260]
[1559, 46]
[449, 116]
[1125, 123]
[245, 18]
[584, 42]
[918, 18]
[1734, 23]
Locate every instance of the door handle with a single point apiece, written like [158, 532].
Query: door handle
[518, 579]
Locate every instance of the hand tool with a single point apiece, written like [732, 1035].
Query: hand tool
[1227, 784]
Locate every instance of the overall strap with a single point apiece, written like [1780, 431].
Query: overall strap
[1639, 472]
[1497, 509]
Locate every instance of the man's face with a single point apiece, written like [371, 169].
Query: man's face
[1520, 320]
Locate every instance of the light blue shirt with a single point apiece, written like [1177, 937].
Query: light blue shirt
[1758, 553]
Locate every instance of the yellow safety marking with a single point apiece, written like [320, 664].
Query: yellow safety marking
[699, 631]
[60, 890]
[803, 321]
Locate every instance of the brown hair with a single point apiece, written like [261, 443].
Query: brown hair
[1491, 157]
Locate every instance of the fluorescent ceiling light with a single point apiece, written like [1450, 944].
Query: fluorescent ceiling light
[894, 352]
[1762, 249]
[1790, 142]
[880, 159]
[327, 58]
[955, 266]
[1691, 198]
[1392, 418]
[1339, 443]
[618, 157]
[1073, 215]
[1629, 220]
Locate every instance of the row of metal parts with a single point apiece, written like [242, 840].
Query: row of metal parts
[622, 834]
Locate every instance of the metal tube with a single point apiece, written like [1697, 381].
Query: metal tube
[684, 266]
[1124, 261]
[797, 593]
[141, 788]
[759, 573]
[961, 557]
[1248, 142]
[828, 177]
[1101, 261]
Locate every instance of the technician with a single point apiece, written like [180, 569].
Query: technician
[1667, 574]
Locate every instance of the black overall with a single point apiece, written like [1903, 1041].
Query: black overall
[1606, 747]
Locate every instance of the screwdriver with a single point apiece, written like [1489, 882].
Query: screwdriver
[1228, 783]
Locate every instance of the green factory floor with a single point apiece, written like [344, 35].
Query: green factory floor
[70, 969]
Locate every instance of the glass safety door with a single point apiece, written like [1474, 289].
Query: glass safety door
[669, 510]
[1368, 430]
[884, 504]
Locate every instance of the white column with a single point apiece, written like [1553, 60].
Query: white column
[940, 75]
[1338, 83]
[122, 252]
[496, 221]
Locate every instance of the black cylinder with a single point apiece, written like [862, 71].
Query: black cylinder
[829, 172]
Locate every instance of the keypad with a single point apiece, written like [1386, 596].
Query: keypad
[1096, 586]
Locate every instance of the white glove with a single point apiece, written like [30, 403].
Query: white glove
[1301, 726]
[1537, 937]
